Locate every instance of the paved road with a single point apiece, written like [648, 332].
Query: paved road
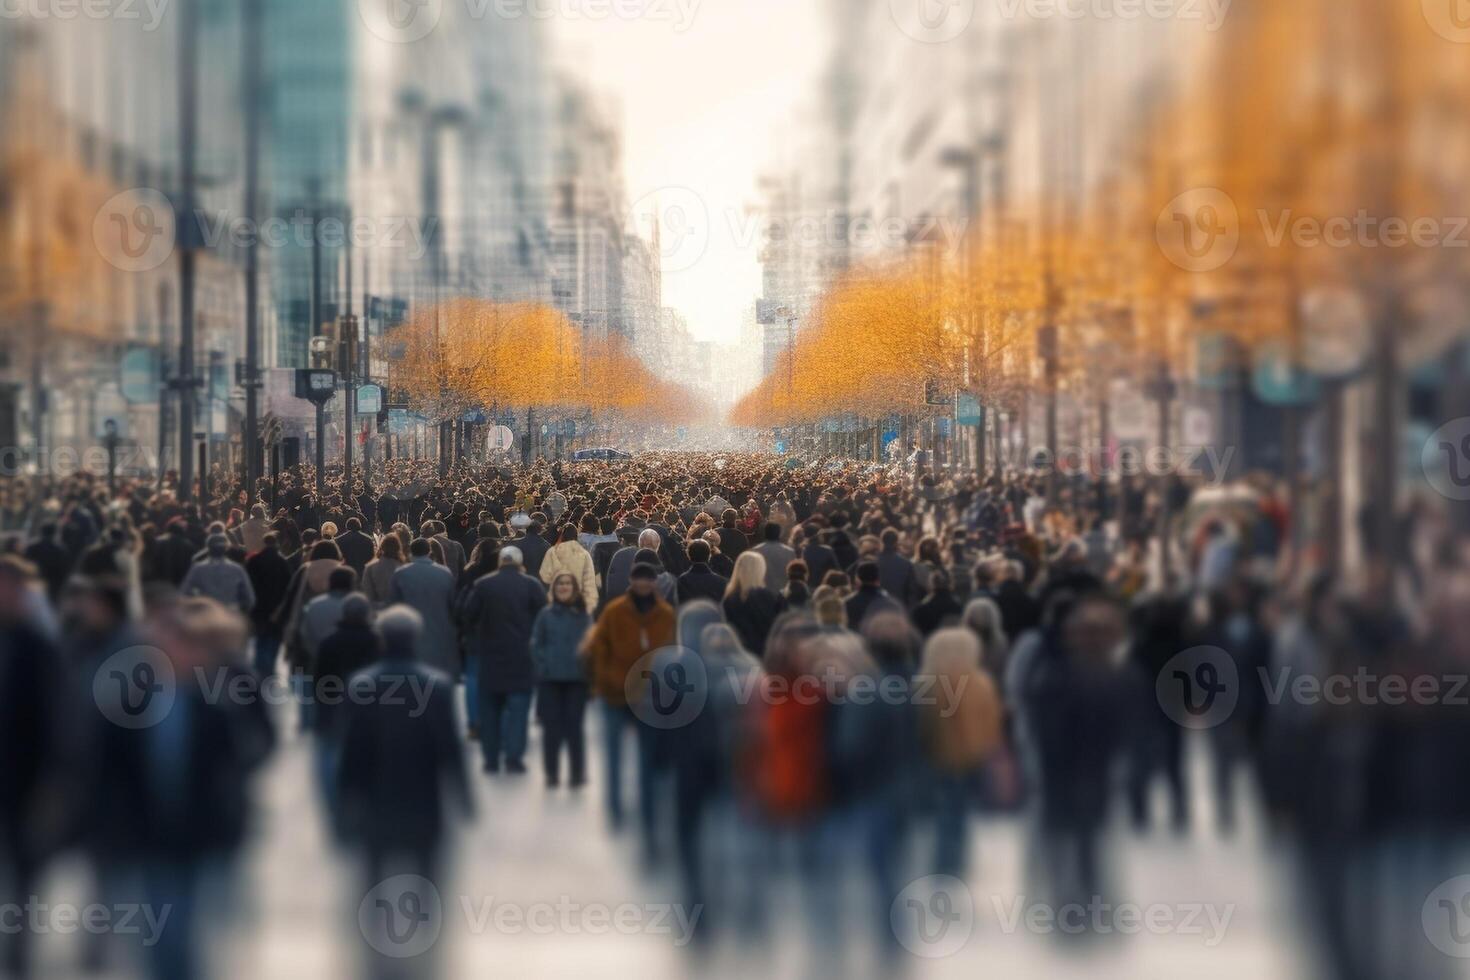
[547, 855]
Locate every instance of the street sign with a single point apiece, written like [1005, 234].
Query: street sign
[967, 409]
[139, 375]
[316, 385]
[781, 446]
[369, 400]
[499, 439]
[944, 428]
[1277, 381]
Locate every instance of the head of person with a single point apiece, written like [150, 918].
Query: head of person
[511, 558]
[797, 571]
[400, 626]
[329, 530]
[258, 511]
[693, 618]
[772, 531]
[728, 517]
[1093, 630]
[867, 574]
[567, 591]
[938, 582]
[419, 548]
[889, 539]
[354, 524]
[589, 524]
[828, 607]
[712, 538]
[698, 552]
[342, 579]
[650, 539]
[270, 542]
[749, 574]
[217, 544]
[325, 551]
[391, 547]
[950, 652]
[568, 533]
[356, 610]
[642, 580]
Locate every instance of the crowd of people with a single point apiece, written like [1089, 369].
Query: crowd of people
[842, 661]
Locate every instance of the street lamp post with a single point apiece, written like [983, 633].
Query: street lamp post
[109, 439]
[254, 14]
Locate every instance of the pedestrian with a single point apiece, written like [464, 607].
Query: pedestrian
[428, 588]
[356, 546]
[700, 582]
[500, 613]
[630, 627]
[353, 646]
[777, 555]
[939, 608]
[377, 575]
[568, 556]
[751, 608]
[220, 579]
[561, 683]
[870, 596]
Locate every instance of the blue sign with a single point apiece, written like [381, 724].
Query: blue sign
[967, 410]
[944, 428]
[781, 446]
[1277, 381]
[139, 379]
[890, 436]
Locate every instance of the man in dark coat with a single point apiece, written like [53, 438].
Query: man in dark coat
[499, 613]
[401, 782]
[819, 558]
[701, 582]
[51, 559]
[270, 577]
[533, 546]
[896, 572]
[732, 540]
[173, 553]
[870, 597]
[357, 548]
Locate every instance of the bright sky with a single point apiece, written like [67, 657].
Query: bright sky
[701, 106]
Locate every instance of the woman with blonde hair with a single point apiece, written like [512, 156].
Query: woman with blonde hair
[830, 610]
[960, 727]
[751, 608]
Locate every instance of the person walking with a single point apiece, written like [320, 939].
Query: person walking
[428, 588]
[270, 578]
[377, 575]
[500, 613]
[561, 683]
[220, 579]
[630, 627]
[777, 555]
[751, 608]
[701, 581]
[569, 557]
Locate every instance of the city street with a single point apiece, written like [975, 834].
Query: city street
[297, 907]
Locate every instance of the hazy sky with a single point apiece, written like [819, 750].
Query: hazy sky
[701, 104]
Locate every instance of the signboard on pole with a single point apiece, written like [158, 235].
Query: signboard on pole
[139, 376]
[369, 400]
[967, 409]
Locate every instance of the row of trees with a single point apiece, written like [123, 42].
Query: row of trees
[1282, 191]
[467, 354]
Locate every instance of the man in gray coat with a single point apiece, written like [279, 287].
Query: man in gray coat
[218, 578]
[777, 556]
[428, 588]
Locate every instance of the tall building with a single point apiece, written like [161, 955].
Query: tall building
[588, 212]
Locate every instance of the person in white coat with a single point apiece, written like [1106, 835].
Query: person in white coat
[568, 556]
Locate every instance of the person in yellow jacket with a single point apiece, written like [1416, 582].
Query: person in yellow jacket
[960, 724]
[568, 556]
